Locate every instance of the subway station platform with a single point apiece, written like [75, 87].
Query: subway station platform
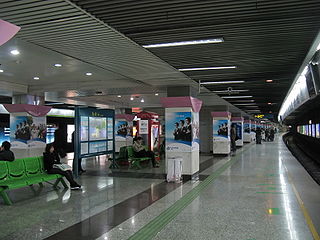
[260, 193]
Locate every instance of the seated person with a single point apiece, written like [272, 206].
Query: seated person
[140, 151]
[5, 153]
[51, 157]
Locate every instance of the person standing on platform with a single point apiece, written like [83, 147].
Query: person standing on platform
[233, 136]
[272, 134]
[80, 169]
[258, 135]
[140, 151]
[59, 142]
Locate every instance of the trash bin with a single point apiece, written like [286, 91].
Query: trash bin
[174, 169]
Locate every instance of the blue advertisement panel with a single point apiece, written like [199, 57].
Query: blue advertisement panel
[238, 130]
[195, 131]
[27, 131]
[178, 131]
[4, 134]
[221, 129]
[94, 131]
[246, 127]
[123, 129]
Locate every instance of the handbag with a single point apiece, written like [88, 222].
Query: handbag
[62, 167]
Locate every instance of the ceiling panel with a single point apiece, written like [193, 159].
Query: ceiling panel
[265, 39]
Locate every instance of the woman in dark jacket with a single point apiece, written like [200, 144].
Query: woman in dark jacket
[51, 157]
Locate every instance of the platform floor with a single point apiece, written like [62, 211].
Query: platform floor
[261, 193]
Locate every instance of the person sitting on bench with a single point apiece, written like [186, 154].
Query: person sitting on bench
[5, 153]
[140, 151]
[51, 157]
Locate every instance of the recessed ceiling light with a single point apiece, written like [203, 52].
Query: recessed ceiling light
[184, 43]
[88, 73]
[156, 94]
[36, 78]
[270, 111]
[269, 80]
[15, 52]
[269, 103]
[131, 98]
[58, 65]
[206, 68]
[1, 71]
[119, 96]
[221, 82]
[227, 97]
[142, 100]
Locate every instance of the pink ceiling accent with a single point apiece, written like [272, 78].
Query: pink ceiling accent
[221, 114]
[173, 102]
[34, 110]
[147, 115]
[7, 31]
[127, 117]
[239, 119]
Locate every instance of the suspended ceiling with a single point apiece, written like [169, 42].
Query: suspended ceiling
[264, 39]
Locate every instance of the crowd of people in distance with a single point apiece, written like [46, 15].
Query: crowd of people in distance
[265, 134]
[183, 130]
[27, 131]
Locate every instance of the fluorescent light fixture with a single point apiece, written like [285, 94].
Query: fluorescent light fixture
[131, 98]
[227, 91]
[222, 82]
[156, 94]
[15, 52]
[142, 100]
[119, 96]
[206, 68]
[1, 71]
[244, 104]
[318, 48]
[36, 78]
[269, 103]
[184, 43]
[88, 73]
[269, 81]
[58, 65]
[241, 101]
[229, 97]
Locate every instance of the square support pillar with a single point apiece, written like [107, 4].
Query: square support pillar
[238, 121]
[182, 132]
[221, 132]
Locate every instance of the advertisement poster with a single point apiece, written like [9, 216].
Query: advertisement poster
[110, 128]
[246, 127]
[84, 129]
[97, 128]
[221, 130]
[178, 132]
[238, 130]
[27, 131]
[195, 131]
[253, 127]
[143, 127]
[318, 130]
[123, 129]
[4, 134]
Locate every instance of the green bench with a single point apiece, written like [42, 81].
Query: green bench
[24, 172]
[134, 161]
